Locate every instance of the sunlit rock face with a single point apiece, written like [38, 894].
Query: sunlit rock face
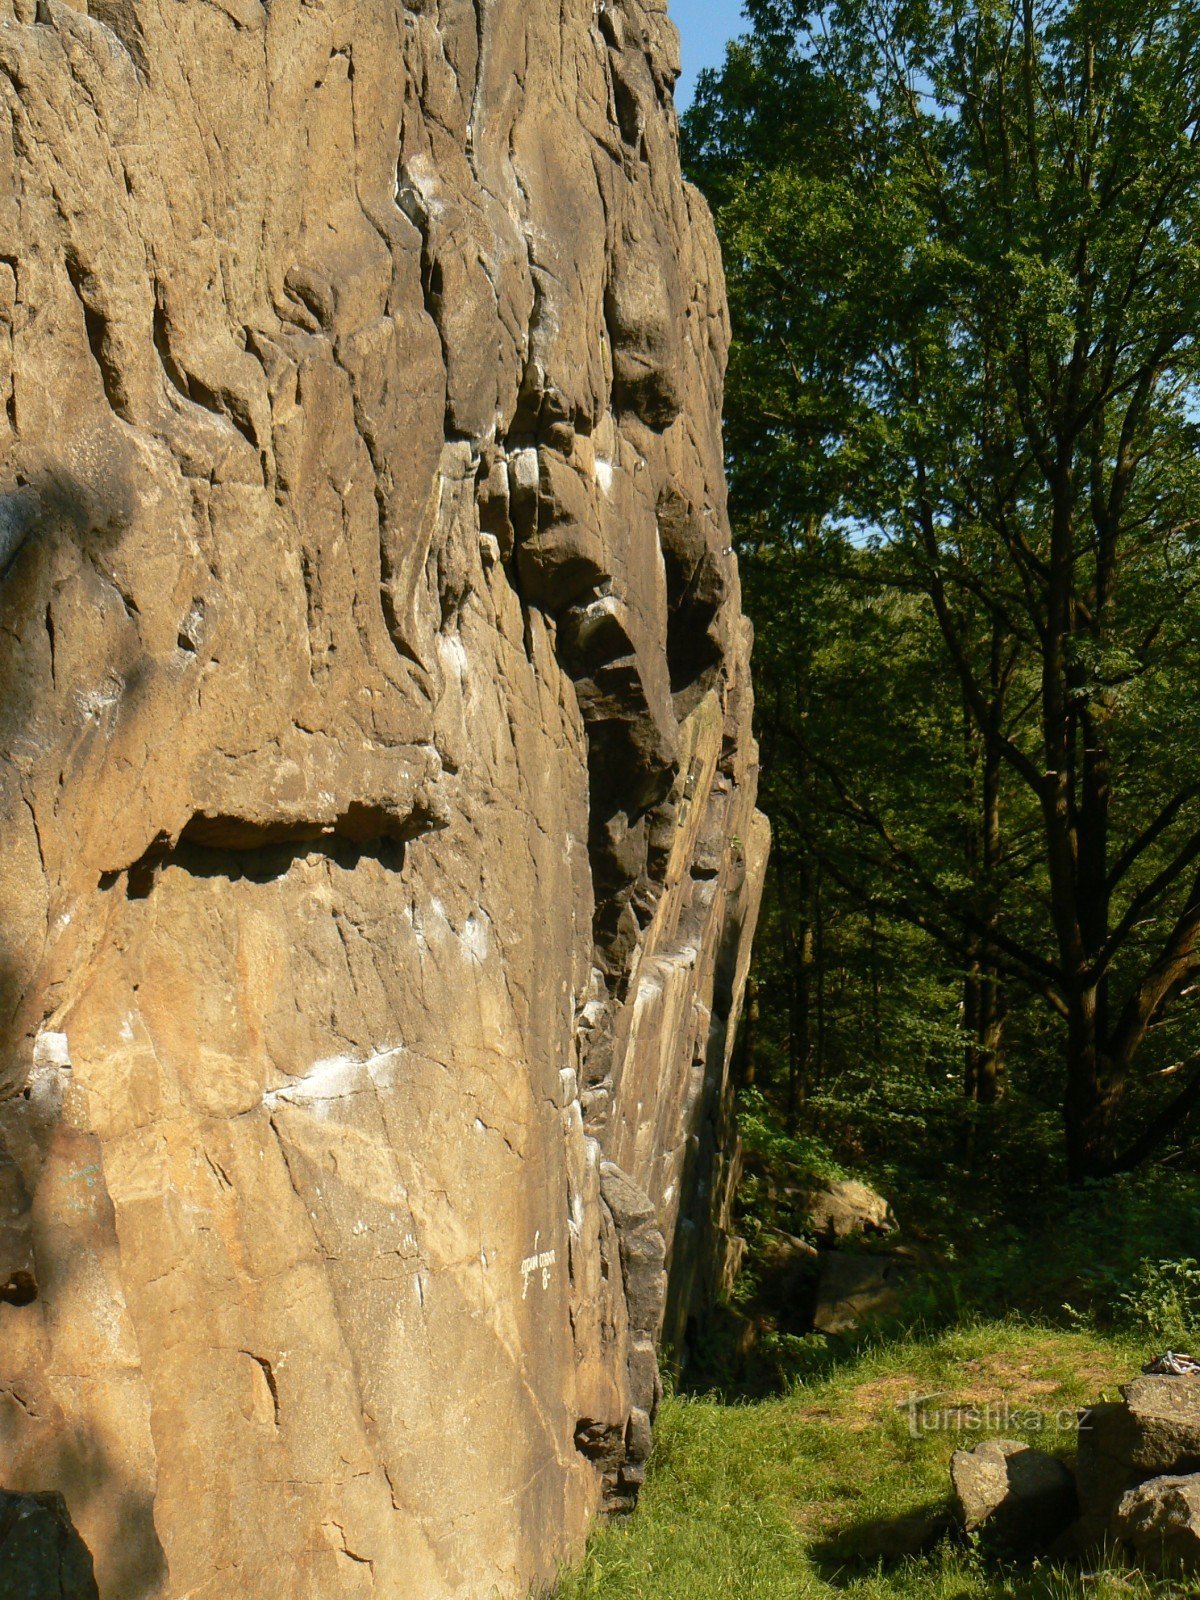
[378, 854]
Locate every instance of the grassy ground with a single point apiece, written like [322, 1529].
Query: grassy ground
[780, 1498]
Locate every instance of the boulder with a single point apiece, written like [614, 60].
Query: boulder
[1165, 1416]
[787, 1269]
[853, 1287]
[1103, 1469]
[1153, 1432]
[1159, 1522]
[1022, 1494]
[846, 1208]
[42, 1556]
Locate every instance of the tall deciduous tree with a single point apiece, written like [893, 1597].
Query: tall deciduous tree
[963, 240]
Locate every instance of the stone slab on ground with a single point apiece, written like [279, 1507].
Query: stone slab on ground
[853, 1287]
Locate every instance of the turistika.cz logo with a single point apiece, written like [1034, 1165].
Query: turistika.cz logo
[989, 1417]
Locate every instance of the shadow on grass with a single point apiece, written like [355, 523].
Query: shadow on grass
[738, 1357]
[862, 1546]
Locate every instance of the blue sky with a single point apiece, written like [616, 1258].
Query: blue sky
[704, 26]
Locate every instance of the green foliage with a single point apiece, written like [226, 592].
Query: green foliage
[1084, 1253]
[1164, 1300]
[963, 435]
[962, 429]
[764, 1138]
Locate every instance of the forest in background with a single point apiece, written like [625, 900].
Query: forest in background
[963, 415]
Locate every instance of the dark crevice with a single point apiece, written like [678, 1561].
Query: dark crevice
[434, 286]
[629, 114]
[306, 294]
[602, 1443]
[123, 22]
[19, 1289]
[99, 337]
[268, 1373]
[361, 823]
[236, 848]
[412, 204]
[162, 344]
[10, 399]
[131, 607]
[222, 404]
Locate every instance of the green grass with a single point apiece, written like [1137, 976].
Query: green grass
[776, 1499]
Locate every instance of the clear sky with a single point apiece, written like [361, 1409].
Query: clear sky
[704, 26]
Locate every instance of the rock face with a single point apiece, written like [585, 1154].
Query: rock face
[378, 853]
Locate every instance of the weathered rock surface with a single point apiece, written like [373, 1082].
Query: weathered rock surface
[1164, 1417]
[378, 853]
[1160, 1523]
[846, 1208]
[1024, 1495]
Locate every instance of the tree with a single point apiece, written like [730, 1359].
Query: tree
[961, 242]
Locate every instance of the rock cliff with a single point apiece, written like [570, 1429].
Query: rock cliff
[378, 853]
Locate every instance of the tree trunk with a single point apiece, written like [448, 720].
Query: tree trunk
[1093, 1093]
[805, 961]
[747, 1063]
[983, 994]
[792, 980]
[983, 1023]
[818, 968]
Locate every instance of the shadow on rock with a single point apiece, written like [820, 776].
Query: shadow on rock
[55, 505]
[51, 1461]
[53, 527]
[42, 1556]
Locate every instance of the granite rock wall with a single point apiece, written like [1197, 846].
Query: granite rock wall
[378, 852]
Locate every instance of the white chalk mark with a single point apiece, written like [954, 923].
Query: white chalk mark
[337, 1078]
